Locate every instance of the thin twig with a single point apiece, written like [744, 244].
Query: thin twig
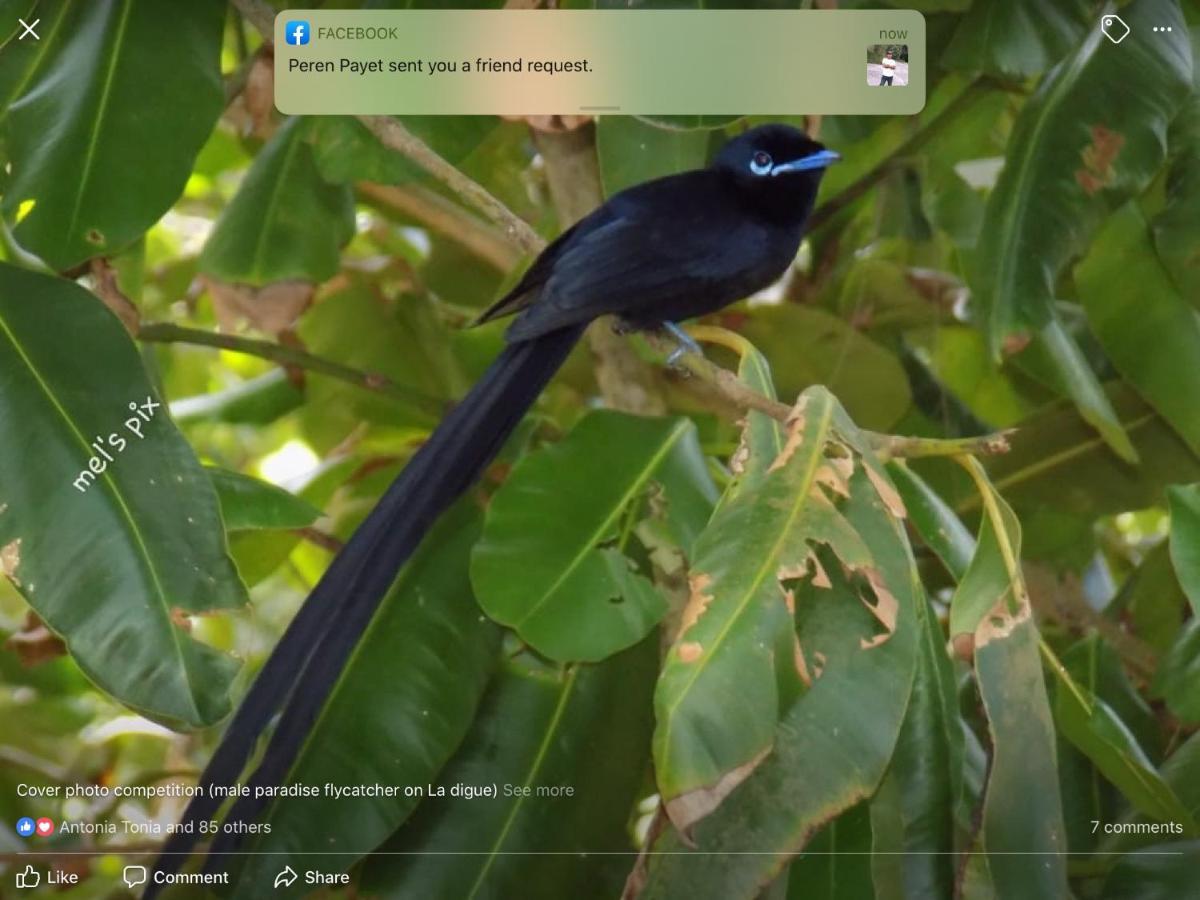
[395, 136]
[894, 446]
[727, 387]
[322, 539]
[170, 333]
[444, 217]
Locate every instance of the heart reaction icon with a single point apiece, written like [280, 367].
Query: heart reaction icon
[45, 827]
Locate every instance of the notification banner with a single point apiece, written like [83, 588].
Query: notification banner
[628, 62]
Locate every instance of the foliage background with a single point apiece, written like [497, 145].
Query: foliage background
[1021, 255]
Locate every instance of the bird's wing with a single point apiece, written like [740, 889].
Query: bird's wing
[526, 290]
[638, 259]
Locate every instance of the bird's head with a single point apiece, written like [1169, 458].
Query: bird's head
[778, 163]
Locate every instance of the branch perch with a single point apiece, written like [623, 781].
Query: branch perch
[726, 386]
[291, 357]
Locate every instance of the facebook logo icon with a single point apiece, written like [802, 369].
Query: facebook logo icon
[25, 826]
[297, 32]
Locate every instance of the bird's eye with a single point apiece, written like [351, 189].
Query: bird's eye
[760, 164]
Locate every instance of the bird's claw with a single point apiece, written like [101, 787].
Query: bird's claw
[687, 344]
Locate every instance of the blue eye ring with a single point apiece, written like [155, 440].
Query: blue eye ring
[760, 163]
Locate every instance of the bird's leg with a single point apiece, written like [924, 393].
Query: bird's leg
[686, 343]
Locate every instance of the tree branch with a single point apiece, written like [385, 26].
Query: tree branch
[392, 134]
[259, 14]
[395, 136]
[446, 218]
[724, 386]
[289, 357]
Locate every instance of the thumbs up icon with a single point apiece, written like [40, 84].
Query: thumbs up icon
[29, 878]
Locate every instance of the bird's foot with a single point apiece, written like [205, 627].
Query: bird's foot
[687, 343]
[622, 327]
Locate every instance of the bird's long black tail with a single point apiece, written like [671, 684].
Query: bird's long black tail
[305, 664]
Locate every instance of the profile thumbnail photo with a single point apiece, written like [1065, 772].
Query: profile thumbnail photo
[887, 65]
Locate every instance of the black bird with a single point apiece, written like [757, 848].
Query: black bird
[654, 254]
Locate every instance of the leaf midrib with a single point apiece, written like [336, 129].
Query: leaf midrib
[587, 545]
[1005, 272]
[294, 140]
[89, 158]
[535, 767]
[802, 495]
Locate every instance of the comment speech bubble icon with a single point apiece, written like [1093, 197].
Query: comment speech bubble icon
[133, 876]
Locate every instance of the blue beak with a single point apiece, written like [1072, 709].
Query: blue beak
[818, 160]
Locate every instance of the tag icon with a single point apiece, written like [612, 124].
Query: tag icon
[1114, 28]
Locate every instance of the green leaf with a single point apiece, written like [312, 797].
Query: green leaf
[991, 616]
[1181, 771]
[1016, 38]
[810, 346]
[260, 552]
[1153, 599]
[762, 437]
[399, 709]
[110, 551]
[1091, 725]
[22, 59]
[837, 864]
[1073, 155]
[941, 530]
[1073, 376]
[1157, 872]
[632, 151]
[1176, 227]
[104, 133]
[585, 731]
[861, 668]
[1177, 680]
[736, 650]
[886, 294]
[401, 340]
[1184, 503]
[913, 812]
[1058, 464]
[1094, 663]
[957, 357]
[486, 149]
[571, 593]
[345, 150]
[1088, 796]
[1155, 341]
[989, 578]
[285, 222]
[248, 503]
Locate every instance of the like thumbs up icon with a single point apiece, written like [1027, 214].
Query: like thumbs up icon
[29, 878]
